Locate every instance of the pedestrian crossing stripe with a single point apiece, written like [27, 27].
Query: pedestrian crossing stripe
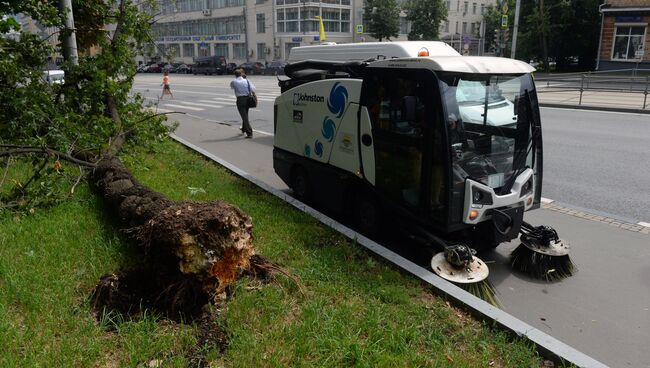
[200, 104]
[184, 107]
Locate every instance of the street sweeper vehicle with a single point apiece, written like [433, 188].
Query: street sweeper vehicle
[412, 135]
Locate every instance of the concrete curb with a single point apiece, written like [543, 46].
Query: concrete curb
[548, 346]
[594, 108]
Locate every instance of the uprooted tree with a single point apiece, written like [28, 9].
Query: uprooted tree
[194, 250]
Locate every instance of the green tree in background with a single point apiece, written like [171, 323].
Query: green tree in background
[426, 17]
[382, 18]
[563, 31]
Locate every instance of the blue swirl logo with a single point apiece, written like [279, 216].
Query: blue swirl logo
[338, 98]
[307, 150]
[329, 128]
[318, 148]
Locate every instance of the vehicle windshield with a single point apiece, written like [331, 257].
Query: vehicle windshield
[488, 125]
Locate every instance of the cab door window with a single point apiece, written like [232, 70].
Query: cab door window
[398, 114]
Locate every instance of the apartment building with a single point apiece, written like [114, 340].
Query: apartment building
[265, 30]
[624, 35]
[464, 28]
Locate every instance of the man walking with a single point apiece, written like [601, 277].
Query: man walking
[243, 88]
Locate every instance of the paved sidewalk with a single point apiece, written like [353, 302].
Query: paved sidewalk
[593, 100]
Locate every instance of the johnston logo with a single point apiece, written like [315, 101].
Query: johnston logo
[303, 97]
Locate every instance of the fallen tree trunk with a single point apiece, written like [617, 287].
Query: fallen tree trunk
[190, 247]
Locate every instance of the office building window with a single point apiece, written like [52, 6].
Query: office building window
[482, 8]
[239, 51]
[628, 43]
[221, 26]
[261, 24]
[465, 7]
[188, 50]
[473, 8]
[303, 19]
[456, 27]
[446, 26]
[221, 49]
[261, 51]
[458, 6]
[464, 27]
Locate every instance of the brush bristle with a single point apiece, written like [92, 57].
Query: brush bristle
[541, 266]
[483, 290]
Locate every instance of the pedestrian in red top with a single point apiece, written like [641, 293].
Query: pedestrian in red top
[166, 90]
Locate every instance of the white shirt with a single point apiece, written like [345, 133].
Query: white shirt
[240, 85]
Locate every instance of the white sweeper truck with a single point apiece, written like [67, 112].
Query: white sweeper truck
[444, 147]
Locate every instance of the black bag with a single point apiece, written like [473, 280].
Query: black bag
[252, 98]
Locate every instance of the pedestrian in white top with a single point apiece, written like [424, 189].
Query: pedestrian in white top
[243, 88]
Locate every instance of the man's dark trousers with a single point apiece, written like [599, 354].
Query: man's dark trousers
[242, 107]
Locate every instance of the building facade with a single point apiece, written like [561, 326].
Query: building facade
[266, 30]
[464, 28]
[624, 35]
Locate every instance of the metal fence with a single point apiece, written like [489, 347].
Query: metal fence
[628, 81]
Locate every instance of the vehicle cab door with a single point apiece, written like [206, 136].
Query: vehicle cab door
[402, 153]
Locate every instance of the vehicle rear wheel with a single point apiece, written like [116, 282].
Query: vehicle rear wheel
[367, 213]
[301, 185]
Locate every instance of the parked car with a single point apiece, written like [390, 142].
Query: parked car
[184, 69]
[209, 65]
[276, 67]
[169, 68]
[154, 68]
[54, 76]
[252, 68]
[230, 68]
[142, 68]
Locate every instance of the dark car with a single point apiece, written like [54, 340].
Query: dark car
[275, 68]
[209, 65]
[184, 69]
[230, 68]
[252, 68]
[169, 68]
[154, 68]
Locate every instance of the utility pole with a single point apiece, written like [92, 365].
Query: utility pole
[515, 28]
[246, 32]
[69, 38]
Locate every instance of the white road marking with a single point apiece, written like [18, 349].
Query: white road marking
[184, 107]
[547, 200]
[646, 224]
[212, 102]
[201, 104]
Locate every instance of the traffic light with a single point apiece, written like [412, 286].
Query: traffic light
[496, 37]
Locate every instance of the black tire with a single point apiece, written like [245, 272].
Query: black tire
[301, 185]
[367, 214]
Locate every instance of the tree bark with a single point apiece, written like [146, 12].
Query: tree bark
[210, 243]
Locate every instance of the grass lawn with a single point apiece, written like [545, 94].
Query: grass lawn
[352, 309]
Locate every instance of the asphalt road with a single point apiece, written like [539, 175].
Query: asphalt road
[598, 161]
[602, 311]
